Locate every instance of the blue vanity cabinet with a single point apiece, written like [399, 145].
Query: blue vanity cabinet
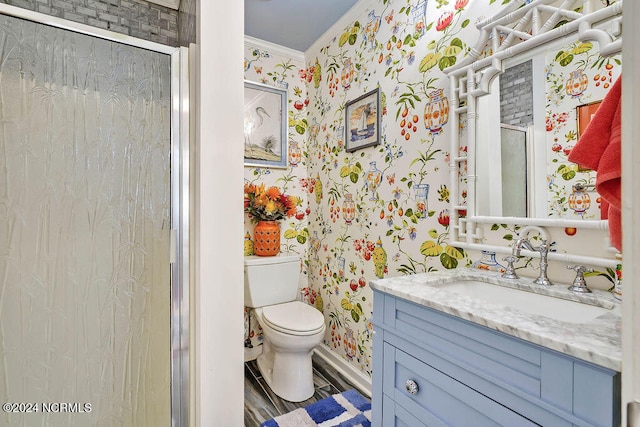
[434, 369]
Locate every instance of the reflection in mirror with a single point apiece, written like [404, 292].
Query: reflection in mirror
[544, 100]
[514, 170]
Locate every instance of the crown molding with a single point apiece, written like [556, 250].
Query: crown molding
[274, 48]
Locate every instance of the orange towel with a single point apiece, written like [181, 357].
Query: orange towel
[604, 209]
[599, 149]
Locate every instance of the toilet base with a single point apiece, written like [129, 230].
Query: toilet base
[285, 362]
[289, 375]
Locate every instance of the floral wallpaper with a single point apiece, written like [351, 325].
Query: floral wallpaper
[576, 76]
[384, 211]
[380, 211]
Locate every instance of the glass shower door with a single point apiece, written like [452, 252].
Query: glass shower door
[85, 218]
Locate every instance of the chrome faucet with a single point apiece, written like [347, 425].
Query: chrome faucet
[544, 251]
[579, 283]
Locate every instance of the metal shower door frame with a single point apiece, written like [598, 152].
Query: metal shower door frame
[179, 190]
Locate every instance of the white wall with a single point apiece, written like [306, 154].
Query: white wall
[217, 359]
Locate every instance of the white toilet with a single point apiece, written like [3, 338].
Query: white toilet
[291, 328]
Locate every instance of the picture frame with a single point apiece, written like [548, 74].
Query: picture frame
[362, 121]
[584, 113]
[265, 126]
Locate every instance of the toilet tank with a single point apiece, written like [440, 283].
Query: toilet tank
[270, 280]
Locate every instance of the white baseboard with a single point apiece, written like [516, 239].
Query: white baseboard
[361, 381]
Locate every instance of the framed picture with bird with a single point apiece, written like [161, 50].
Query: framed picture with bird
[265, 125]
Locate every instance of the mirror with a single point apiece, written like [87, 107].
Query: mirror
[528, 123]
[565, 45]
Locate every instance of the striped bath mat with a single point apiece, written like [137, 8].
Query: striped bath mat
[348, 409]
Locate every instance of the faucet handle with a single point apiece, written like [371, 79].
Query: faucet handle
[510, 271]
[579, 283]
[580, 269]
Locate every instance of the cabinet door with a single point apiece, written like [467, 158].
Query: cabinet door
[438, 399]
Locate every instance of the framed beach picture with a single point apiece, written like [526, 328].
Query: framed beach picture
[265, 126]
[362, 121]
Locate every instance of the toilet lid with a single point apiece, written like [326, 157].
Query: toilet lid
[293, 317]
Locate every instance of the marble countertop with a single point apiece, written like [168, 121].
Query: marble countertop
[597, 341]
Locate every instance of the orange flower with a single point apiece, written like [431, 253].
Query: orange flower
[273, 193]
[249, 188]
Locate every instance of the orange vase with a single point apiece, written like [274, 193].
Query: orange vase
[266, 238]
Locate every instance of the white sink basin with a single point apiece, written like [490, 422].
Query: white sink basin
[527, 302]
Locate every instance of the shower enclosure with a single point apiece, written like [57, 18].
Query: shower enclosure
[93, 227]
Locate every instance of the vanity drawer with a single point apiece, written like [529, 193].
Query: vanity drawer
[439, 400]
[458, 343]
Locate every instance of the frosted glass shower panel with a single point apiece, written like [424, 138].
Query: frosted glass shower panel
[84, 228]
[514, 171]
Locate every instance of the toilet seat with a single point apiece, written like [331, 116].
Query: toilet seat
[293, 318]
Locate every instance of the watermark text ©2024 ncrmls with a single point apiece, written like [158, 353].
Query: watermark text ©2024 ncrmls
[47, 407]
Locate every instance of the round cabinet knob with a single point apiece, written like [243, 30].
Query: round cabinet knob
[411, 386]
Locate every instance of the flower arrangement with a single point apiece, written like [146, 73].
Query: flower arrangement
[268, 204]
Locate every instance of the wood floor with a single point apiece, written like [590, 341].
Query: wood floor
[261, 404]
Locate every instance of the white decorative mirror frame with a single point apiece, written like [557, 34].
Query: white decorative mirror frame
[517, 29]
